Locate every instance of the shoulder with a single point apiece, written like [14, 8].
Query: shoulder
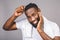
[49, 22]
[51, 28]
[54, 24]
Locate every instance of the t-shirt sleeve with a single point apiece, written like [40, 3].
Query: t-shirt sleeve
[19, 25]
[56, 30]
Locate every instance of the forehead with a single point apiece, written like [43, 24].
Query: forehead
[31, 10]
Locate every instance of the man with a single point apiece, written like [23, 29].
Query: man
[37, 27]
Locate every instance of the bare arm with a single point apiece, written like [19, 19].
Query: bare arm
[46, 37]
[56, 38]
[10, 24]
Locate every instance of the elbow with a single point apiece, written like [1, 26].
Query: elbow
[5, 28]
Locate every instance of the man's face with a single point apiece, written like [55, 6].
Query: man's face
[32, 16]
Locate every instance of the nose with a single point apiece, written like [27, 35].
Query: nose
[33, 18]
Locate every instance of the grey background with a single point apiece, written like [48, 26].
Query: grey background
[50, 9]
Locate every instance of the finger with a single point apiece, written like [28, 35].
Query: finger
[39, 13]
[22, 7]
[41, 17]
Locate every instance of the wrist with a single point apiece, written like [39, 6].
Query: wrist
[39, 30]
[14, 17]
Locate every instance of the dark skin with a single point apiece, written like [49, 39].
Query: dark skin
[32, 16]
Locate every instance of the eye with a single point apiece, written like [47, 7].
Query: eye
[28, 16]
[33, 14]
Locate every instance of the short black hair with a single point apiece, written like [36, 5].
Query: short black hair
[31, 5]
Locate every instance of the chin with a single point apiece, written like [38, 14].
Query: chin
[34, 24]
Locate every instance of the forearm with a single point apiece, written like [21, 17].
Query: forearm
[9, 22]
[41, 31]
[56, 38]
[44, 35]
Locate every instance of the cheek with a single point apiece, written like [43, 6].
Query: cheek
[29, 20]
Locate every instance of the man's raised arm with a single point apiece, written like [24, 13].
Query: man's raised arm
[10, 24]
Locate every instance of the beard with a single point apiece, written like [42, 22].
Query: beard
[35, 25]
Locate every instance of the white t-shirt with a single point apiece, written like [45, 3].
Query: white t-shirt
[31, 33]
